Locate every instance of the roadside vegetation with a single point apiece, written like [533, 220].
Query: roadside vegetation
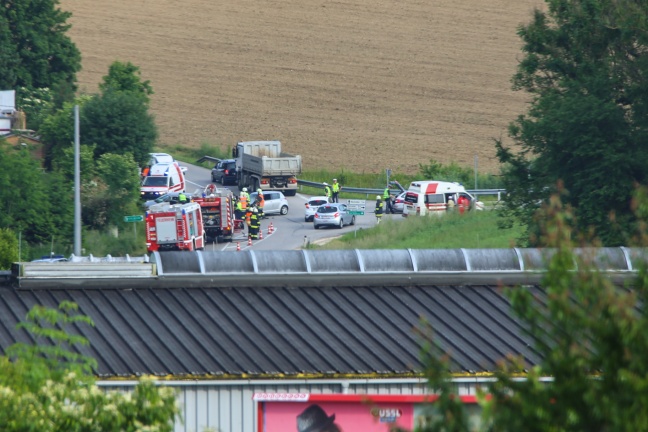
[474, 229]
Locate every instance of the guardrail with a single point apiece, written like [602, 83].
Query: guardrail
[368, 191]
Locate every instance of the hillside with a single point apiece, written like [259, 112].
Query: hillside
[359, 84]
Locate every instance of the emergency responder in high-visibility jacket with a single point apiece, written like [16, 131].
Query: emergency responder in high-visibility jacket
[254, 224]
[182, 198]
[244, 196]
[336, 190]
[239, 211]
[327, 191]
[379, 209]
[387, 201]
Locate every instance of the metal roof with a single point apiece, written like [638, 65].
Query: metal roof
[279, 332]
[291, 314]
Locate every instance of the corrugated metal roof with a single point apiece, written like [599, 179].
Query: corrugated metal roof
[280, 331]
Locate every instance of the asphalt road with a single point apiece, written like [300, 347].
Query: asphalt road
[290, 231]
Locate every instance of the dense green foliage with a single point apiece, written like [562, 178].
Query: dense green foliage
[591, 336]
[584, 66]
[35, 51]
[35, 208]
[119, 122]
[49, 386]
[8, 248]
[126, 78]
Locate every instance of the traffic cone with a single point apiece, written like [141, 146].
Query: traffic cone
[238, 246]
[249, 241]
[260, 234]
[270, 228]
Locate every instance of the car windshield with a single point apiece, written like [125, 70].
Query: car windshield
[327, 209]
[318, 202]
[156, 181]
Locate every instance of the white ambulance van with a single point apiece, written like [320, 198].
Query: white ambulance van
[162, 179]
[431, 197]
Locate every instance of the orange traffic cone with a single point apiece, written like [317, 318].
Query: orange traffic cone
[260, 234]
[238, 246]
[249, 241]
[270, 228]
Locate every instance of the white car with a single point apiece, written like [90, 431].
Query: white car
[275, 202]
[312, 205]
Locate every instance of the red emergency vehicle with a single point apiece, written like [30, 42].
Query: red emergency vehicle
[217, 206]
[174, 227]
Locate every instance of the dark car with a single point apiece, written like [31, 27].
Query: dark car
[224, 172]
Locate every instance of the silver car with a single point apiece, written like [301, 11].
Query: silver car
[333, 214]
[312, 205]
[275, 202]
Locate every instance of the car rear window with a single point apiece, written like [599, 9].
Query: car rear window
[317, 202]
[230, 165]
[411, 197]
[327, 209]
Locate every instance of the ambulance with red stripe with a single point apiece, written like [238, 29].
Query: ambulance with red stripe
[431, 197]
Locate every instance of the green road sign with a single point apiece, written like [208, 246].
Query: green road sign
[136, 218]
[356, 212]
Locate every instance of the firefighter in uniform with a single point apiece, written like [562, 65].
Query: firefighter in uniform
[254, 224]
[336, 190]
[379, 209]
[239, 212]
[259, 202]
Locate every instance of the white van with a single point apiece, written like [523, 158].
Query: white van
[162, 179]
[431, 197]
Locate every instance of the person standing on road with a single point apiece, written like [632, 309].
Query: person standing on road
[387, 201]
[327, 191]
[244, 197]
[260, 203]
[336, 190]
[239, 212]
[379, 208]
[254, 224]
[463, 203]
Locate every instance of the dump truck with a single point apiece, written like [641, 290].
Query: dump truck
[262, 164]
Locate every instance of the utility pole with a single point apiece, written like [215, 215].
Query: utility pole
[77, 185]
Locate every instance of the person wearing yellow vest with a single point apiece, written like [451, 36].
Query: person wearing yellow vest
[244, 197]
[335, 187]
[327, 191]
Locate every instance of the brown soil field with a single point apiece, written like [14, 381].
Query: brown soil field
[361, 85]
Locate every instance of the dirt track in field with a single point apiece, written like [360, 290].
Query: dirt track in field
[362, 85]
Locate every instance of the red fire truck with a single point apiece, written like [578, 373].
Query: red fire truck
[174, 227]
[217, 206]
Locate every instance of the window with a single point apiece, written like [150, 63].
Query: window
[434, 199]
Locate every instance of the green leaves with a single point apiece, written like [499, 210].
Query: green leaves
[49, 386]
[583, 65]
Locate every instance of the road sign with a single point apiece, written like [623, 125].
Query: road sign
[356, 207]
[135, 218]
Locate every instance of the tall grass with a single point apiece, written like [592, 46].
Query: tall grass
[475, 229]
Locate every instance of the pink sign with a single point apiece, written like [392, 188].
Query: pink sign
[324, 416]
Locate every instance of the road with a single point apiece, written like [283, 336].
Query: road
[290, 231]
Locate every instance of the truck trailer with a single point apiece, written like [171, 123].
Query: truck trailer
[262, 164]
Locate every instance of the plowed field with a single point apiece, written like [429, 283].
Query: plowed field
[359, 84]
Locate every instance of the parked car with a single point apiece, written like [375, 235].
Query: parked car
[333, 214]
[51, 259]
[312, 205]
[275, 202]
[399, 203]
[171, 198]
[224, 172]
